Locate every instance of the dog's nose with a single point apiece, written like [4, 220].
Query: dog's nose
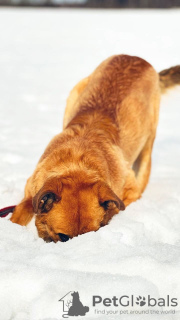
[63, 237]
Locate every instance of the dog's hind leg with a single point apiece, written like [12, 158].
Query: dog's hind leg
[71, 109]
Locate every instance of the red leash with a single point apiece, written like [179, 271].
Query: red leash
[5, 211]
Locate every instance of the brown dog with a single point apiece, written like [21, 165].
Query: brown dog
[101, 162]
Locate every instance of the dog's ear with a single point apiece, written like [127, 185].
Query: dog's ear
[108, 199]
[47, 195]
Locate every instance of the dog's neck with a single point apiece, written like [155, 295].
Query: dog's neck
[92, 122]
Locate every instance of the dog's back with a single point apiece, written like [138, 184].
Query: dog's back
[111, 83]
[126, 90]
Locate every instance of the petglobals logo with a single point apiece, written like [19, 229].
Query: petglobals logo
[131, 301]
[72, 305]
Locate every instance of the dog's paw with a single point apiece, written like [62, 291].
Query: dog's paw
[141, 301]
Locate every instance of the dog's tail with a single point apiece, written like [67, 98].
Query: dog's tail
[169, 78]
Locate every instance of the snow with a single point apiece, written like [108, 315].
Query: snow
[43, 54]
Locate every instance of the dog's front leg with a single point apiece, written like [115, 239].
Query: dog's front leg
[23, 212]
[131, 190]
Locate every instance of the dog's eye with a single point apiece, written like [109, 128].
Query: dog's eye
[109, 205]
[46, 203]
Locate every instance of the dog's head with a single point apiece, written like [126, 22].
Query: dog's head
[66, 207]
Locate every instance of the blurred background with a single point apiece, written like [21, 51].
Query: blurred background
[96, 3]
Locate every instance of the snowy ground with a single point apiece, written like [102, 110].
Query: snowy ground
[43, 54]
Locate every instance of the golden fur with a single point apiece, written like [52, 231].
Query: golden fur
[101, 161]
